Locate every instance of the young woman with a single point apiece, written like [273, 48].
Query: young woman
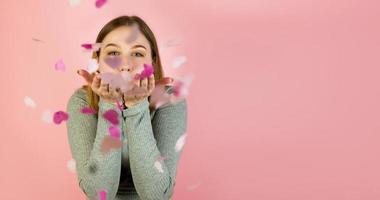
[145, 165]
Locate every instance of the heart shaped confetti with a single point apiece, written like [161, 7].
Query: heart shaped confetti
[60, 116]
[100, 3]
[29, 102]
[146, 73]
[114, 131]
[102, 194]
[88, 110]
[60, 65]
[110, 143]
[112, 116]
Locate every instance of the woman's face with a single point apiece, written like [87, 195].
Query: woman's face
[124, 49]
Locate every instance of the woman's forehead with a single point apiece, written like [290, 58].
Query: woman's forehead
[121, 36]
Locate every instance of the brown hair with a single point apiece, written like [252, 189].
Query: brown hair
[92, 97]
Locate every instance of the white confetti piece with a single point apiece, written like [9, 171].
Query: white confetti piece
[47, 117]
[74, 3]
[158, 166]
[71, 165]
[29, 102]
[179, 61]
[180, 142]
[194, 186]
[92, 66]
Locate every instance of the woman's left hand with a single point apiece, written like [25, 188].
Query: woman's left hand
[143, 88]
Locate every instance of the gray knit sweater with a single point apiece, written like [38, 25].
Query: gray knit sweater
[129, 172]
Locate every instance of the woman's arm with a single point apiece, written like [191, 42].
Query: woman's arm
[95, 171]
[169, 124]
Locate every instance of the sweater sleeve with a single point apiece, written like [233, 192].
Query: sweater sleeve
[154, 179]
[95, 171]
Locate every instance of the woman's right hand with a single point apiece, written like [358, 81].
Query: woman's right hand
[101, 88]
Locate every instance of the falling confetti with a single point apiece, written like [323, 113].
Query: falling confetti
[100, 3]
[37, 40]
[29, 102]
[134, 33]
[74, 3]
[119, 105]
[102, 194]
[92, 47]
[146, 73]
[179, 61]
[60, 116]
[71, 165]
[122, 80]
[180, 142]
[110, 143]
[92, 66]
[112, 116]
[60, 65]
[88, 110]
[158, 166]
[159, 96]
[113, 61]
[194, 186]
[47, 117]
[180, 88]
[172, 42]
[114, 131]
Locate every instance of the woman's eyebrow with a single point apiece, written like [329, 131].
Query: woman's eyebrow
[111, 44]
[139, 45]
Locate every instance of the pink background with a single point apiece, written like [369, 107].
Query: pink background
[284, 105]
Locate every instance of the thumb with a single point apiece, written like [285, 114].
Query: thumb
[87, 76]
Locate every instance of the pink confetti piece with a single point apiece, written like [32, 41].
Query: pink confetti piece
[60, 116]
[114, 131]
[100, 3]
[134, 33]
[119, 105]
[110, 143]
[102, 194]
[113, 61]
[91, 46]
[60, 65]
[88, 110]
[159, 96]
[146, 73]
[112, 116]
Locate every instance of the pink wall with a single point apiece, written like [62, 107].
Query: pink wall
[284, 105]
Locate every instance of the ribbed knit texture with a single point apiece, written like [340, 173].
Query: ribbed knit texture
[128, 172]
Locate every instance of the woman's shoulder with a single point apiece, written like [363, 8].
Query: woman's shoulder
[79, 94]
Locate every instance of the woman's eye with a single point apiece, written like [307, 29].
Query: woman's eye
[113, 53]
[137, 54]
